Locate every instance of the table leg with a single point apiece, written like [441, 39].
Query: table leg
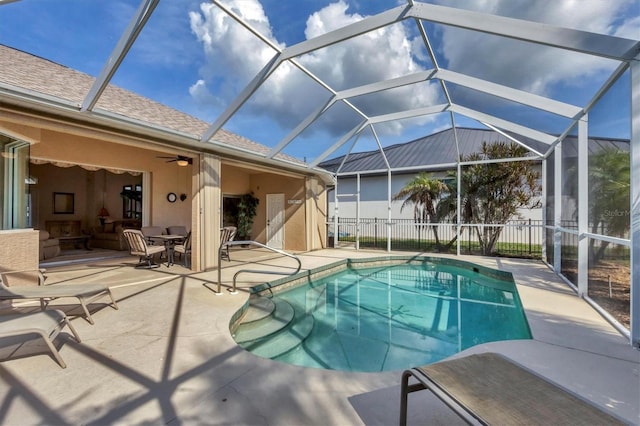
[169, 247]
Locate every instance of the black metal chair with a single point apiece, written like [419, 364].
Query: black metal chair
[185, 250]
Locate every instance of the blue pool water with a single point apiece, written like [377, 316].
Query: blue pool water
[386, 318]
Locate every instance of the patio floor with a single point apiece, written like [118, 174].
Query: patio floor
[167, 356]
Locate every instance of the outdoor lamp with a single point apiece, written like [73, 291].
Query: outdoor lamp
[103, 214]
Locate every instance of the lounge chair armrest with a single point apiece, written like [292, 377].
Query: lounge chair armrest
[40, 273]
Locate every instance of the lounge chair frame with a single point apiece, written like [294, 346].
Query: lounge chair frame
[46, 324]
[85, 293]
[488, 389]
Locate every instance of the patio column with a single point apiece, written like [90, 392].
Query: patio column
[205, 245]
[635, 201]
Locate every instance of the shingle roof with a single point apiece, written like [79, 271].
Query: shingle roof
[440, 149]
[26, 71]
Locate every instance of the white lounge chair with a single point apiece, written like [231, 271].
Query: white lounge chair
[85, 293]
[46, 324]
[490, 389]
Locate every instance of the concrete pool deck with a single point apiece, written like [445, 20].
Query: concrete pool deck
[167, 356]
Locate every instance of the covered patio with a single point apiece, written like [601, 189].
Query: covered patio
[167, 355]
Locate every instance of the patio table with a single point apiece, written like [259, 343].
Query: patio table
[169, 243]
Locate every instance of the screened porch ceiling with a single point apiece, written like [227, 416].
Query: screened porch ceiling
[333, 114]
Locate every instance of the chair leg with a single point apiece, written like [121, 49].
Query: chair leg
[73, 330]
[53, 350]
[114, 305]
[86, 310]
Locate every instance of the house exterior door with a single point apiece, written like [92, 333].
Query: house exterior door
[275, 221]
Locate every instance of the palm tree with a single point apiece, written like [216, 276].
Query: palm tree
[491, 193]
[609, 188]
[422, 192]
[609, 192]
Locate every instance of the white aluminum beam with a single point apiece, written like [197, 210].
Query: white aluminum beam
[564, 38]
[515, 95]
[353, 30]
[557, 207]
[385, 85]
[544, 207]
[583, 207]
[301, 127]
[635, 202]
[434, 60]
[118, 54]
[434, 109]
[613, 78]
[344, 159]
[258, 81]
[384, 155]
[452, 118]
[511, 138]
[443, 166]
[504, 124]
[498, 160]
[244, 96]
[342, 141]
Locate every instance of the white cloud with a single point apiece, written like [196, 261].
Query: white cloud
[533, 67]
[234, 56]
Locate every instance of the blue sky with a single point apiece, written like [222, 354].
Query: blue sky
[193, 57]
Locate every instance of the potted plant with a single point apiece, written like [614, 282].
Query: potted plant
[247, 208]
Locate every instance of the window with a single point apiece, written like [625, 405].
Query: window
[131, 202]
[230, 210]
[15, 208]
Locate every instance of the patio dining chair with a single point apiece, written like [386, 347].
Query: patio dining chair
[227, 234]
[138, 246]
[184, 249]
[152, 231]
[177, 230]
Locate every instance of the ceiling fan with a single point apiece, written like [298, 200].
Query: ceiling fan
[181, 160]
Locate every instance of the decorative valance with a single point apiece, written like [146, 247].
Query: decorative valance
[92, 168]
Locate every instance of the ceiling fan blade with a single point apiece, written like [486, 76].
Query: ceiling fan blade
[175, 158]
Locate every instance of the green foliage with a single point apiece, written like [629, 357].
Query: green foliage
[609, 200]
[492, 193]
[422, 192]
[609, 196]
[247, 209]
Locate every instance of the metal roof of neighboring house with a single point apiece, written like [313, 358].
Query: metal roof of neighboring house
[40, 75]
[439, 149]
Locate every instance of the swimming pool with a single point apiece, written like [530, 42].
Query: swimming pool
[382, 315]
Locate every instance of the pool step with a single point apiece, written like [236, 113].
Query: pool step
[279, 318]
[259, 308]
[272, 327]
[284, 340]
